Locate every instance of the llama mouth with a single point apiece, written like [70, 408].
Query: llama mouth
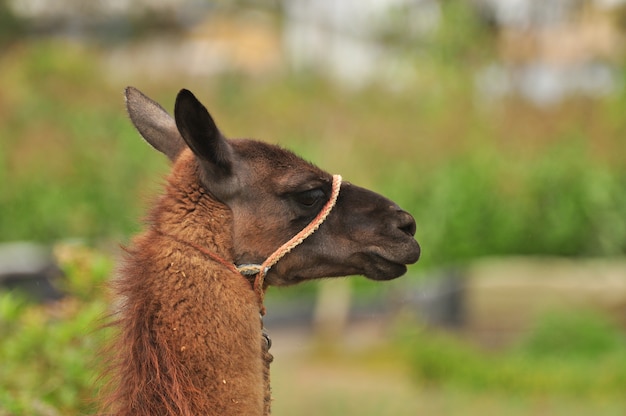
[383, 266]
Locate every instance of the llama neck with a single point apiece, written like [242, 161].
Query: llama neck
[190, 337]
[190, 214]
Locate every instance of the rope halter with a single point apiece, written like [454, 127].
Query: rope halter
[260, 270]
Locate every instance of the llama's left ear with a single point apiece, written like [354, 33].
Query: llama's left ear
[154, 124]
[199, 131]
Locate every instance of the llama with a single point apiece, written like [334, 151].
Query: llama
[190, 339]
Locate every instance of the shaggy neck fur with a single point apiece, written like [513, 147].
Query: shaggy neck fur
[190, 340]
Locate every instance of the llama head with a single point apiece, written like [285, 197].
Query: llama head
[273, 194]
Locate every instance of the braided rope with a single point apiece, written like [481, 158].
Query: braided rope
[261, 269]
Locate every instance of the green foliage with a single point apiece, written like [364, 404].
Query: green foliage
[11, 27]
[69, 165]
[574, 354]
[49, 352]
[561, 203]
[461, 37]
[46, 360]
[72, 166]
[573, 336]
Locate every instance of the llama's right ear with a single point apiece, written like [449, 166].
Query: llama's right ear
[199, 131]
[154, 124]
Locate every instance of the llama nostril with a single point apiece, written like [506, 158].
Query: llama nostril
[407, 223]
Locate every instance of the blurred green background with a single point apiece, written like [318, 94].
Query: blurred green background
[500, 140]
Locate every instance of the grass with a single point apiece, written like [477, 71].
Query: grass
[306, 386]
[577, 355]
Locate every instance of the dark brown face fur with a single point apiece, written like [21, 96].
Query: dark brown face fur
[365, 233]
[273, 194]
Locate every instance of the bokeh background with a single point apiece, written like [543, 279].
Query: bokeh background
[499, 124]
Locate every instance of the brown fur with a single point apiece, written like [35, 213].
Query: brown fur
[177, 305]
[190, 337]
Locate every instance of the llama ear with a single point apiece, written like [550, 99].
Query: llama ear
[154, 124]
[201, 134]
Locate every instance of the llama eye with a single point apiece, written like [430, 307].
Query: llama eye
[310, 197]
